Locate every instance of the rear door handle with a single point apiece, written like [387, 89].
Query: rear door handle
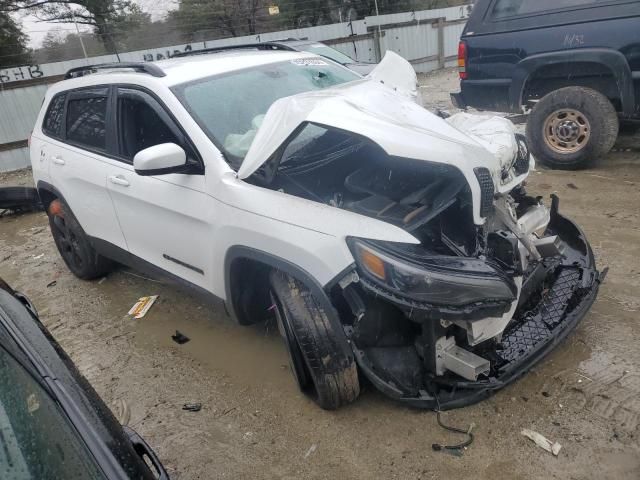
[58, 160]
[119, 180]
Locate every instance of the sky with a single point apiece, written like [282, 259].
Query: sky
[37, 30]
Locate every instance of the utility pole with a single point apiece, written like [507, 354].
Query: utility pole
[84, 50]
[378, 18]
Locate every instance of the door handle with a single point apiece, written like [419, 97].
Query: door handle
[58, 160]
[119, 180]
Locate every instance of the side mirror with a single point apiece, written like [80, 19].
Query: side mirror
[160, 160]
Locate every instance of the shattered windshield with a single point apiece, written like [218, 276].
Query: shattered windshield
[230, 107]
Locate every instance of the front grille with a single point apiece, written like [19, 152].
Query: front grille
[486, 190]
[537, 325]
[521, 165]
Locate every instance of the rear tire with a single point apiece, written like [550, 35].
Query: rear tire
[571, 128]
[323, 366]
[73, 244]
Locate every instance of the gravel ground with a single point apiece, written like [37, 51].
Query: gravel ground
[254, 423]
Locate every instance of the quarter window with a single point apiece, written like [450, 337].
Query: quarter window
[53, 119]
[86, 121]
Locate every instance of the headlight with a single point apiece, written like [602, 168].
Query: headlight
[452, 281]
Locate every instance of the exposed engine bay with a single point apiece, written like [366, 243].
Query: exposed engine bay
[461, 310]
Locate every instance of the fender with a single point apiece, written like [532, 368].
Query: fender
[238, 252]
[612, 59]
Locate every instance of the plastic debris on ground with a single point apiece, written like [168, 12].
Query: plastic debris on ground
[311, 450]
[179, 338]
[192, 407]
[542, 441]
[142, 306]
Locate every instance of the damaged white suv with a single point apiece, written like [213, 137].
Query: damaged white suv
[389, 243]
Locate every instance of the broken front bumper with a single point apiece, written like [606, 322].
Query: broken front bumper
[532, 332]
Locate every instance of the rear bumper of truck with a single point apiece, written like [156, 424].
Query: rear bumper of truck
[494, 94]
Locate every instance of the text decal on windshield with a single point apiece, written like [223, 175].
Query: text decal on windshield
[307, 62]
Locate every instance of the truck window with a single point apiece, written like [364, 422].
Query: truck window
[515, 8]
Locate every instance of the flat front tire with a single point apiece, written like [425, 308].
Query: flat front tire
[571, 128]
[323, 366]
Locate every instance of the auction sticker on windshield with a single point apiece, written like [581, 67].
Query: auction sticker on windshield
[308, 62]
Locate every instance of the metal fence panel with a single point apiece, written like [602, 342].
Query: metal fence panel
[14, 159]
[19, 108]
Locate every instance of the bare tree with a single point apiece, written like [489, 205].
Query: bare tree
[109, 18]
[13, 42]
[223, 17]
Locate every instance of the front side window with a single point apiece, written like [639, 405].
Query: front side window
[514, 8]
[142, 123]
[316, 146]
[52, 123]
[37, 441]
[231, 107]
[87, 119]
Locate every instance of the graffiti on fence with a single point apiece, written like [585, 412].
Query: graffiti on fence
[17, 74]
[153, 56]
[30, 72]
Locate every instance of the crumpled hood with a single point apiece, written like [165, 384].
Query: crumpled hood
[381, 107]
[368, 108]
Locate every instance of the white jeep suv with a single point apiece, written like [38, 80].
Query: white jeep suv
[388, 242]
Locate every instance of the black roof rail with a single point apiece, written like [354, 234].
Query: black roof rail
[291, 39]
[149, 68]
[257, 46]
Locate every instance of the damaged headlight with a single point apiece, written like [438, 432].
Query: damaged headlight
[439, 280]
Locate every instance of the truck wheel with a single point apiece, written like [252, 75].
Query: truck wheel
[571, 128]
[73, 244]
[323, 366]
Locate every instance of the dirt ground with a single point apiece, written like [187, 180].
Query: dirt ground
[255, 424]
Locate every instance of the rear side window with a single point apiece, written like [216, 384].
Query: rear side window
[87, 119]
[52, 123]
[516, 8]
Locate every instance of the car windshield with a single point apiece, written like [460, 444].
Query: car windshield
[230, 107]
[325, 51]
[37, 440]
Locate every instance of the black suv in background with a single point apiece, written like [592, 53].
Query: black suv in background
[53, 425]
[575, 64]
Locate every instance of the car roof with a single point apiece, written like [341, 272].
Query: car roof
[187, 68]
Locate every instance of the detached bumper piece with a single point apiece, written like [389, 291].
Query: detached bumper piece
[556, 294]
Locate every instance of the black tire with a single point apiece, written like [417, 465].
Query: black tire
[19, 199]
[600, 129]
[330, 375]
[73, 244]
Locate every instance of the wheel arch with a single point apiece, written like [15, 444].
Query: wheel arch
[608, 61]
[48, 193]
[247, 264]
